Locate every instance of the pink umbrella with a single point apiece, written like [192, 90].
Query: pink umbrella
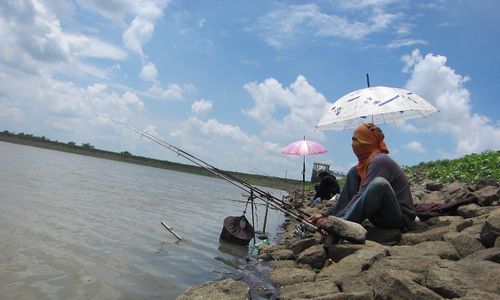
[304, 147]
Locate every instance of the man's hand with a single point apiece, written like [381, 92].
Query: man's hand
[316, 219]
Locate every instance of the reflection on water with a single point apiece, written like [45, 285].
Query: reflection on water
[78, 227]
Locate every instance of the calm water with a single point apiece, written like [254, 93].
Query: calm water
[78, 227]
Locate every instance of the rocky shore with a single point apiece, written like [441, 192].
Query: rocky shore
[454, 254]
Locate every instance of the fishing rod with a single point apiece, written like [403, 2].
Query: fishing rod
[250, 189]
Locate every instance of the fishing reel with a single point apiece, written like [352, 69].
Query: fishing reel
[302, 230]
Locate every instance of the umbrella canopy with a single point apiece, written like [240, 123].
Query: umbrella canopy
[304, 147]
[378, 105]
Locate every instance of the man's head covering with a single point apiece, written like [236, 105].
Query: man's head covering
[367, 141]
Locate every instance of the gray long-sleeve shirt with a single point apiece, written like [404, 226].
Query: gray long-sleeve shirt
[382, 165]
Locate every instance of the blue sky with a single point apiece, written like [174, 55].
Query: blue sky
[233, 82]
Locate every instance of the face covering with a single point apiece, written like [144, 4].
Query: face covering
[367, 141]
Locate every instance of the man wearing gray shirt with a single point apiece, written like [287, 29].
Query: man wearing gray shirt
[376, 188]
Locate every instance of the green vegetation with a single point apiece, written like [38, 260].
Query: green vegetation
[125, 156]
[466, 169]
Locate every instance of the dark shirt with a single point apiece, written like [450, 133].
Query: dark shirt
[328, 187]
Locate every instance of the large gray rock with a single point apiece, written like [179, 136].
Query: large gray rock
[353, 264]
[288, 276]
[488, 195]
[419, 265]
[275, 252]
[397, 284]
[491, 229]
[455, 279]
[384, 236]
[314, 256]
[227, 289]
[442, 249]
[347, 230]
[432, 234]
[464, 243]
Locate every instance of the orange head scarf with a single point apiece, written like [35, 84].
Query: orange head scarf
[367, 140]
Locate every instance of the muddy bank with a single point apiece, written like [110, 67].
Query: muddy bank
[452, 253]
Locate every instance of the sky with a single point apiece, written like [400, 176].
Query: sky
[234, 82]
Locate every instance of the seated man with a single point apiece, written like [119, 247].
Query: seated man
[376, 188]
[326, 188]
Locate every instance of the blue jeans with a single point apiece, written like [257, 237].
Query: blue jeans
[378, 203]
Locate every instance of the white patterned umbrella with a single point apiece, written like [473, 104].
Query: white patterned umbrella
[377, 105]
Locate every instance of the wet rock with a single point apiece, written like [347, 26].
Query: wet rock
[288, 276]
[397, 284]
[384, 236]
[314, 256]
[491, 229]
[347, 230]
[433, 186]
[464, 243]
[300, 245]
[227, 289]
[455, 279]
[307, 290]
[490, 254]
[442, 249]
[269, 252]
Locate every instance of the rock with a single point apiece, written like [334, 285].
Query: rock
[455, 279]
[314, 256]
[491, 229]
[397, 284]
[384, 236]
[287, 276]
[419, 265]
[479, 295]
[453, 188]
[280, 264]
[497, 242]
[300, 245]
[338, 251]
[471, 211]
[227, 289]
[347, 230]
[464, 224]
[353, 264]
[444, 250]
[433, 186]
[464, 243]
[444, 220]
[490, 254]
[307, 290]
[432, 234]
[276, 254]
[487, 195]
[474, 230]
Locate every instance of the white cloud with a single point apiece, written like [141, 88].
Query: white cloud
[138, 33]
[201, 106]
[87, 46]
[415, 146]
[284, 26]
[171, 92]
[405, 43]
[11, 113]
[149, 72]
[432, 79]
[286, 111]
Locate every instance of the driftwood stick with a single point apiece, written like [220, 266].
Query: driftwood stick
[171, 230]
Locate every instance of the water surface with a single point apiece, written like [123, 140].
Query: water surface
[79, 227]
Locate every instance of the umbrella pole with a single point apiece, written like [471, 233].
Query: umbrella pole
[304, 178]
